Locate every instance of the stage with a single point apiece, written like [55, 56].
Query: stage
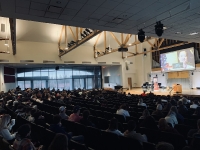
[195, 92]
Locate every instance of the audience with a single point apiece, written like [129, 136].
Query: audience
[131, 133]
[22, 141]
[158, 111]
[123, 111]
[62, 113]
[75, 116]
[6, 125]
[113, 127]
[60, 142]
[150, 123]
[167, 107]
[145, 114]
[194, 104]
[85, 120]
[171, 117]
[163, 126]
[140, 103]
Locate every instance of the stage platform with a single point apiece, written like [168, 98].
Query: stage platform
[188, 92]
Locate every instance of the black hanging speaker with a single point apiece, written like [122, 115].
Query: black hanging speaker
[57, 68]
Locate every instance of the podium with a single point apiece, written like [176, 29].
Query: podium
[177, 88]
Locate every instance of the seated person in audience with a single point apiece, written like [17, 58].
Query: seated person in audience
[75, 116]
[62, 113]
[31, 118]
[194, 131]
[61, 100]
[173, 102]
[39, 100]
[61, 141]
[143, 94]
[194, 105]
[140, 103]
[184, 100]
[171, 116]
[39, 119]
[22, 141]
[150, 123]
[85, 120]
[164, 146]
[182, 109]
[158, 111]
[123, 111]
[167, 107]
[57, 126]
[131, 133]
[145, 114]
[6, 125]
[197, 112]
[163, 126]
[113, 127]
[20, 111]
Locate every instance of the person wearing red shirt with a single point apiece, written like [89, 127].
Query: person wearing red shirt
[75, 116]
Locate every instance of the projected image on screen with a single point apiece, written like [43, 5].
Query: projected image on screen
[178, 60]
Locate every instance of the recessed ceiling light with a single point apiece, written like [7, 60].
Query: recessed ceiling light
[178, 32]
[194, 33]
[164, 28]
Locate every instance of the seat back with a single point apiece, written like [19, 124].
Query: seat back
[152, 135]
[110, 141]
[176, 140]
[77, 146]
[120, 118]
[183, 129]
[148, 146]
[129, 143]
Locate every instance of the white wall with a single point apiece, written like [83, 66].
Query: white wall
[38, 52]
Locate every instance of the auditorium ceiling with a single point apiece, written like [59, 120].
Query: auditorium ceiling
[180, 17]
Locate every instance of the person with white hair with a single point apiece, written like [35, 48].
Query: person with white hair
[158, 111]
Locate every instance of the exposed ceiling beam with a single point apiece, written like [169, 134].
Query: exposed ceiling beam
[13, 33]
[82, 41]
[160, 43]
[114, 37]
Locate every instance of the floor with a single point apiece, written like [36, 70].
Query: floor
[165, 91]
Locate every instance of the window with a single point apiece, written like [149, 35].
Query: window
[20, 84]
[69, 78]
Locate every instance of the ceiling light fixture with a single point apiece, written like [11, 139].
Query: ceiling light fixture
[130, 44]
[159, 28]
[193, 33]
[164, 28]
[141, 35]
[66, 48]
[178, 32]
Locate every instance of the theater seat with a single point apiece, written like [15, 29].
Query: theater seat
[148, 146]
[77, 146]
[129, 143]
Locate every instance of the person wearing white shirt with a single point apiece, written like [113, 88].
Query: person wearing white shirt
[171, 117]
[6, 126]
[123, 111]
[140, 103]
[194, 105]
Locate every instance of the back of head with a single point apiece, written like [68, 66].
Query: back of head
[4, 121]
[24, 130]
[86, 114]
[131, 125]
[173, 110]
[164, 146]
[60, 142]
[56, 119]
[159, 107]
[162, 124]
[184, 100]
[145, 113]
[123, 106]
[113, 124]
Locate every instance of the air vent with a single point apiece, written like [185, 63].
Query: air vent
[54, 9]
[48, 61]
[116, 63]
[69, 62]
[101, 62]
[25, 61]
[86, 62]
[3, 60]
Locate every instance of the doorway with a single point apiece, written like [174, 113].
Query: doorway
[130, 83]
